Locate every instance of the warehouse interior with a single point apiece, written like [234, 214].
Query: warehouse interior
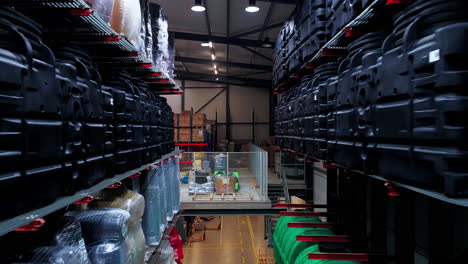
[234, 131]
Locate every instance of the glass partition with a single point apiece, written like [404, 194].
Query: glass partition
[224, 176]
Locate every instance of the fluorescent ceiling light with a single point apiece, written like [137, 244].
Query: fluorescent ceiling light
[266, 43]
[252, 8]
[198, 7]
[207, 44]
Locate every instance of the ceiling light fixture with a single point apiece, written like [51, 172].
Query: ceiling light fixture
[217, 79]
[267, 43]
[214, 66]
[198, 7]
[252, 7]
[207, 44]
[213, 56]
[216, 72]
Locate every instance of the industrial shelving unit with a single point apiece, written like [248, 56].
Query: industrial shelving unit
[76, 22]
[390, 219]
[26, 218]
[337, 45]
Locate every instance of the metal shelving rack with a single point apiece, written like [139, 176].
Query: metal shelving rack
[26, 218]
[76, 21]
[336, 46]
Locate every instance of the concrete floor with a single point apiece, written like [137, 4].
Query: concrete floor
[239, 241]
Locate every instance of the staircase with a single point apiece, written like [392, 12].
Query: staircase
[275, 192]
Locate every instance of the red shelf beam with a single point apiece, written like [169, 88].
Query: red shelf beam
[306, 214]
[337, 239]
[307, 206]
[339, 256]
[310, 225]
[191, 144]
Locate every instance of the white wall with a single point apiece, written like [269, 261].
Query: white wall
[243, 100]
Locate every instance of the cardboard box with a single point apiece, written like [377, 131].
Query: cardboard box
[225, 184]
[184, 119]
[199, 120]
[198, 135]
[176, 120]
[176, 135]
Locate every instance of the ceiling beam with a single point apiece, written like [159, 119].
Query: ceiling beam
[219, 39]
[207, 19]
[286, 2]
[261, 29]
[257, 53]
[224, 63]
[211, 78]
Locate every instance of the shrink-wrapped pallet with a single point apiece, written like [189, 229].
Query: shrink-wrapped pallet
[154, 213]
[57, 254]
[105, 233]
[122, 198]
[69, 234]
[134, 204]
[103, 8]
[167, 176]
[159, 27]
[126, 20]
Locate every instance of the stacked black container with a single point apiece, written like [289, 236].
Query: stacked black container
[397, 106]
[62, 129]
[31, 120]
[300, 38]
[421, 89]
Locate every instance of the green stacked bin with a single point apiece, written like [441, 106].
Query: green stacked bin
[289, 251]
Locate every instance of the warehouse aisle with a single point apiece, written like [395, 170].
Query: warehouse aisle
[240, 241]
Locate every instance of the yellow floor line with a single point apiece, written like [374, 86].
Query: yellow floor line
[252, 239]
[221, 236]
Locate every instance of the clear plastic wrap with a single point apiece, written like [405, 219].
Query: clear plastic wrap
[176, 185]
[146, 33]
[149, 39]
[220, 164]
[103, 8]
[102, 224]
[56, 255]
[167, 175]
[122, 198]
[126, 20]
[105, 234]
[109, 252]
[152, 216]
[166, 253]
[159, 27]
[136, 244]
[134, 204]
[69, 235]
[171, 55]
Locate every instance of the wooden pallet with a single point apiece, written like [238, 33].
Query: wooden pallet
[222, 197]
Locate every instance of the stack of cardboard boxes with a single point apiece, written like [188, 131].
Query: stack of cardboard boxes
[189, 127]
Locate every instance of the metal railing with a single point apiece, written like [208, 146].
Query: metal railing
[258, 166]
